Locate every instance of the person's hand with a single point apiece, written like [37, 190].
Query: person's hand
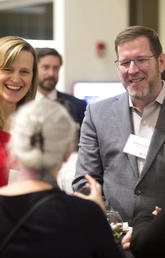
[126, 240]
[156, 211]
[95, 192]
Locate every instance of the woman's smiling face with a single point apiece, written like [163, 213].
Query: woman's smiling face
[15, 79]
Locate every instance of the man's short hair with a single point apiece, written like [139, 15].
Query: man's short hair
[41, 52]
[134, 32]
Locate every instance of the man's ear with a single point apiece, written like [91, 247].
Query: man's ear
[162, 62]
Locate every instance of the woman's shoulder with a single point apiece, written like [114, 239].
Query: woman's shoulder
[85, 207]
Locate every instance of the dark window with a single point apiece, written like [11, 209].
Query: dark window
[30, 22]
[144, 12]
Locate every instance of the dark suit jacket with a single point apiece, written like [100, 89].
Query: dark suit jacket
[78, 105]
[148, 234]
[104, 132]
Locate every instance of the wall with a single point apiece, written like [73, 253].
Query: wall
[162, 22]
[85, 23]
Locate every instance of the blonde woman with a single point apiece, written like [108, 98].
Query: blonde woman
[18, 84]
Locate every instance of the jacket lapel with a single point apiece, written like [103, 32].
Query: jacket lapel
[157, 140]
[124, 123]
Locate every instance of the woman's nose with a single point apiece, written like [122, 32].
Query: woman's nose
[15, 77]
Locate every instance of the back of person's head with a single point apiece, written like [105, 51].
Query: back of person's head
[45, 51]
[136, 31]
[10, 47]
[41, 133]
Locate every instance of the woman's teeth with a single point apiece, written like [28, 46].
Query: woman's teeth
[13, 87]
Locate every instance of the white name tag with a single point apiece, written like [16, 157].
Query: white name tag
[137, 146]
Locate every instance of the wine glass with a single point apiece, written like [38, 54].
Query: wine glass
[114, 217]
[116, 222]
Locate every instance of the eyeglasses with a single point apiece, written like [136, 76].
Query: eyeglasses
[141, 62]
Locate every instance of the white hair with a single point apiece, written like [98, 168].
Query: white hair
[41, 133]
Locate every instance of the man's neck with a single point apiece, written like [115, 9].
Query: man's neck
[49, 94]
[141, 104]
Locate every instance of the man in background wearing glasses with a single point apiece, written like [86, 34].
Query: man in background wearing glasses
[122, 142]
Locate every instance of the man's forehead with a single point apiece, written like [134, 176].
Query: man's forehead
[139, 39]
[49, 58]
[137, 44]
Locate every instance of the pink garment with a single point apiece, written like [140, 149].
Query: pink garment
[4, 171]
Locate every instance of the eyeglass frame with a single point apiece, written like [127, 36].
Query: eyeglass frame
[132, 60]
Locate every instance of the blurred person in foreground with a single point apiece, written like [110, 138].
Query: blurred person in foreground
[146, 239]
[49, 64]
[42, 138]
[18, 84]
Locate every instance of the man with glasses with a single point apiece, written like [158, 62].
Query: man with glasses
[122, 142]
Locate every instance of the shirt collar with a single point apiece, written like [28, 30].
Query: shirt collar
[52, 95]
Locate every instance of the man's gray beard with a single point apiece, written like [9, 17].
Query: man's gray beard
[48, 89]
[142, 95]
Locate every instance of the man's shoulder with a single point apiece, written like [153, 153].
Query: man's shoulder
[109, 101]
[71, 98]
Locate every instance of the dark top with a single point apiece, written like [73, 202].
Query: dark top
[65, 226]
[78, 106]
[148, 235]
